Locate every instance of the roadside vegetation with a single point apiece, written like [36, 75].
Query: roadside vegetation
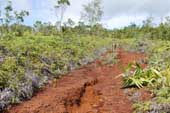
[155, 77]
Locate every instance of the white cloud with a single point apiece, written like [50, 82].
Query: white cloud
[152, 7]
[117, 13]
[122, 20]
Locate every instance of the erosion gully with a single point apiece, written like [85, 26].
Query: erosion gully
[93, 88]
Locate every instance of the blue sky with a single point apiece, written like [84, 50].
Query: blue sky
[117, 13]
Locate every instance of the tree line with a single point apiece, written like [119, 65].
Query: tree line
[12, 23]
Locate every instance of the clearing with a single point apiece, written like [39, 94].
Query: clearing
[94, 88]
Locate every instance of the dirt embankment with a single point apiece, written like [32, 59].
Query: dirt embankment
[94, 88]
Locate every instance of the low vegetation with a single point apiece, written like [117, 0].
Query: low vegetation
[155, 77]
[31, 56]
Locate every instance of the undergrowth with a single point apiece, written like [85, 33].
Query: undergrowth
[156, 77]
[27, 63]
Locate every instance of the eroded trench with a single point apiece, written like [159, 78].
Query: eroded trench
[84, 100]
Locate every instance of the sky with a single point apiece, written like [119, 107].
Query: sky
[117, 13]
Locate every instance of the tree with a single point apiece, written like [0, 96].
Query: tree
[19, 16]
[60, 9]
[1, 19]
[132, 25]
[69, 23]
[167, 21]
[148, 22]
[37, 26]
[8, 16]
[13, 16]
[92, 13]
[12, 19]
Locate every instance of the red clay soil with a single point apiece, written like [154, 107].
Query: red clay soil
[94, 88]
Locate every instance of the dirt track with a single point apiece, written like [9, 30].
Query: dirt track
[94, 88]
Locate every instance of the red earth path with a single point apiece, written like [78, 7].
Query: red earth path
[94, 88]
